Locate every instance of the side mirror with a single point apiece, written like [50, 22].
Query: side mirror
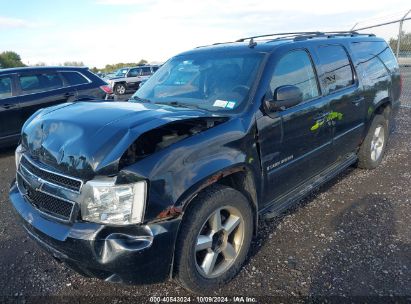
[284, 97]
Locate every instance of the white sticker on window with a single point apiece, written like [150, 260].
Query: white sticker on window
[220, 103]
[230, 105]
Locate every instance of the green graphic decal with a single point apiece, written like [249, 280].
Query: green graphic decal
[329, 117]
[318, 124]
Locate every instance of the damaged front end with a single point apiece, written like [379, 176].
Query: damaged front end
[160, 138]
[78, 198]
[120, 254]
[89, 139]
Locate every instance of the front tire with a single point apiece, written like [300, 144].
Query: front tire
[214, 239]
[120, 89]
[373, 147]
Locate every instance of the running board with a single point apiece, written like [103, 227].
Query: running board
[286, 201]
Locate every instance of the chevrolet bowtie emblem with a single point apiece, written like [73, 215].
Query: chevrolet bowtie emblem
[40, 185]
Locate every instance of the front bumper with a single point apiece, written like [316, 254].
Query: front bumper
[136, 254]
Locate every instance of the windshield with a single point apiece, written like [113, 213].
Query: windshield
[121, 72]
[209, 81]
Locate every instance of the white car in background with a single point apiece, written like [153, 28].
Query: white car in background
[129, 79]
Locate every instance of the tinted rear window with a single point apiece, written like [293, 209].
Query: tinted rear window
[374, 59]
[74, 78]
[388, 58]
[364, 51]
[40, 82]
[5, 87]
[336, 68]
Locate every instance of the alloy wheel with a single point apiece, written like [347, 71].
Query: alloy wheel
[219, 242]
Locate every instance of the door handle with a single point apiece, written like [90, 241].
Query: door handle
[9, 106]
[356, 101]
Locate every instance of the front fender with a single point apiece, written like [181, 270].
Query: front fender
[178, 172]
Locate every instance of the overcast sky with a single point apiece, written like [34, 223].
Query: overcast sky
[98, 32]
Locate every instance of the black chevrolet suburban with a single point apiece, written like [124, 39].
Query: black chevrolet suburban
[172, 184]
[25, 90]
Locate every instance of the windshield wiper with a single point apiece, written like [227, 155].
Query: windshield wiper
[178, 104]
[140, 99]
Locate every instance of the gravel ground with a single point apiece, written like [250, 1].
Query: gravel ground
[352, 237]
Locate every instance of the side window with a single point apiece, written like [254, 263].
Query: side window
[337, 72]
[74, 78]
[374, 59]
[388, 58]
[53, 81]
[5, 87]
[40, 82]
[134, 73]
[295, 68]
[146, 71]
[374, 69]
[154, 68]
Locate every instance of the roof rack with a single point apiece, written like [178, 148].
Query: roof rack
[303, 35]
[297, 36]
[277, 34]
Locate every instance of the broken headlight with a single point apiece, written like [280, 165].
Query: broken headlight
[107, 203]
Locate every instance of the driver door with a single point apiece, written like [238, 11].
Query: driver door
[295, 142]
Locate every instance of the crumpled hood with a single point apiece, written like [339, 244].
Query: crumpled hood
[85, 139]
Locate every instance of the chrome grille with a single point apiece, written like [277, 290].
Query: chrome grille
[69, 183]
[46, 203]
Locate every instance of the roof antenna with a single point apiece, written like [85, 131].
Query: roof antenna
[252, 43]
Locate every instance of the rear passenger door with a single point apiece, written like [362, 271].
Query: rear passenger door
[10, 120]
[347, 104]
[40, 90]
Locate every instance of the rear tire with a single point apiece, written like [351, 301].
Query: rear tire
[214, 239]
[373, 147]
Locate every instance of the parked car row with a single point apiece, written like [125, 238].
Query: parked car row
[25, 90]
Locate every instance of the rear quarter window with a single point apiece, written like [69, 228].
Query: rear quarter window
[336, 70]
[367, 50]
[74, 78]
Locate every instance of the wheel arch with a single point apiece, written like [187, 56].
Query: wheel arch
[238, 177]
[383, 107]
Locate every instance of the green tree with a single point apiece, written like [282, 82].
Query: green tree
[10, 59]
[405, 44]
[40, 63]
[74, 63]
[116, 66]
